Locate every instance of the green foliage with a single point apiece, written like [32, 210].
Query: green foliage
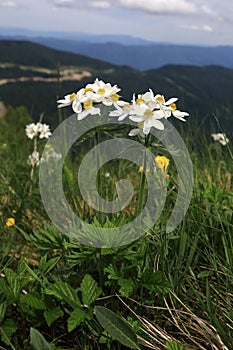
[57, 287]
[173, 345]
[117, 327]
[37, 340]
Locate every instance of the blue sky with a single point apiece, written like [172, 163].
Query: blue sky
[201, 22]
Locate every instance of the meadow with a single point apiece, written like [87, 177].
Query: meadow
[162, 291]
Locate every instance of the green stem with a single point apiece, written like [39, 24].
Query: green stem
[98, 175]
[143, 180]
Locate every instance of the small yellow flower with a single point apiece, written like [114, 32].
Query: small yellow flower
[162, 162]
[10, 222]
[140, 170]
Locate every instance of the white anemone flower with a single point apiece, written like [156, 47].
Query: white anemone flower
[103, 92]
[45, 132]
[74, 99]
[31, 130]
[221, 138]
[34, 159]
[122, 110]
[141, 113]
[88, 109]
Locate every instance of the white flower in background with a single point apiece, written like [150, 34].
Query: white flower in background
[221, 138]
[88, 109]
[45, 132]
[31, 130]
[34, 159]
[39, 127]
[103, 92]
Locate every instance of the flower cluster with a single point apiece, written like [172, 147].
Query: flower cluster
[33, 130]
[147, 110]
[83, 101]
[221, 138]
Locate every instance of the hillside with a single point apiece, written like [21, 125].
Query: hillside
[36, 79]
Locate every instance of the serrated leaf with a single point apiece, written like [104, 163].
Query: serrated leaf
[52, 315]
[76, 317]
[45, 266]
[116, 327]
[90, 290]
[37, 340]
[7, 329]
[155, 282]
[127, 286]
[65, 292]
[33, 300]
[13, 281]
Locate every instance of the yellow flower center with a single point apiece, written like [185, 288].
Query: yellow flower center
[140, 125]
[173, 106]
[126, 105]
[88, 90]
[88, 104]
[162, 162]
[101, 91]
[160, 99]
[139, 101]
[72, 96]
[115, 97]
[148, 113]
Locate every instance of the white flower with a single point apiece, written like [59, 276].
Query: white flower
[103, 92]
[34, 159]
[31, 130]
[75, 99]
[122, 110]
[142, 113]
[221, 138]
[88, 109]
[39, 127]
[45, 132]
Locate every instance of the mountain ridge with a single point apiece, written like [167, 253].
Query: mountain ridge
[126, 50]
[202, 91]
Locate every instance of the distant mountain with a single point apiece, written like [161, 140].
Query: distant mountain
[35, 76]
[126, 50]
[26, 34]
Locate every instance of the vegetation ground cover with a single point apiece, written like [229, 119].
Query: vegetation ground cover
[162, 291]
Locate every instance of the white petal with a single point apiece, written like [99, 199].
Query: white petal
[135, 132]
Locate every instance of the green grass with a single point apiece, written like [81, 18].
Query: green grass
[175, 290]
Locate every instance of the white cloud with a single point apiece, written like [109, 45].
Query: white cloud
[8, 4]
[203, 28]
[161, 6]
[100, 4]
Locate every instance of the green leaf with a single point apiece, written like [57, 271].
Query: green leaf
[52, 315]
[116, 327]
[37, 341]
[76, 317]
[127, 286]
[65, 292]
[7, 330]
[155, 282]
[2, 311]
[90, 290]
[33, 300]
[173, 345]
